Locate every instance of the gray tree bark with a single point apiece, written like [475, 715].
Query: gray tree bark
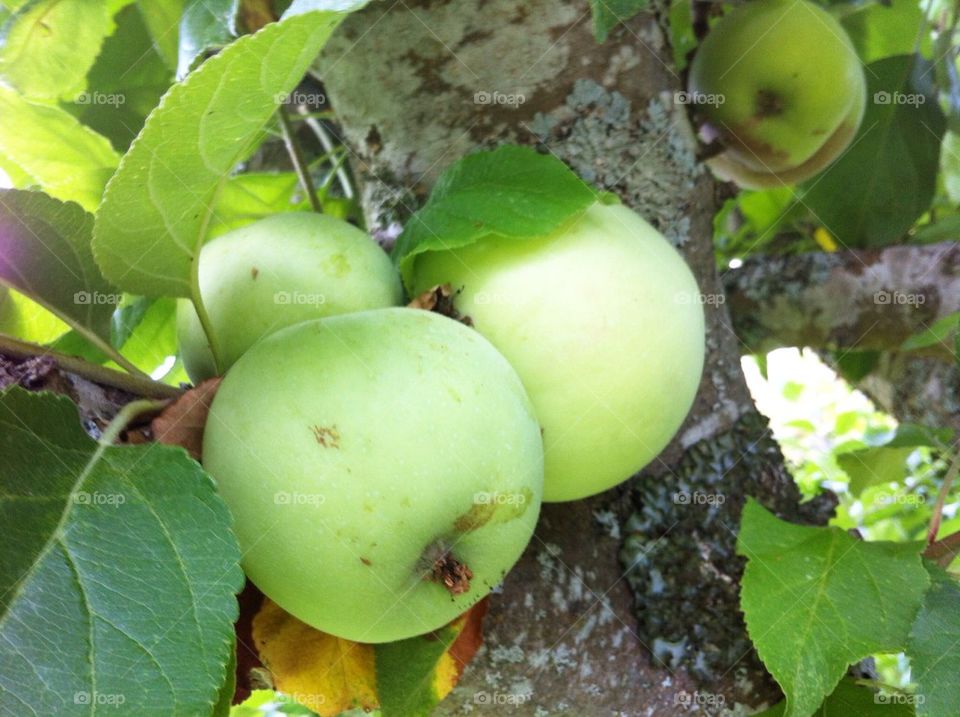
[870, 299]
[627, 603]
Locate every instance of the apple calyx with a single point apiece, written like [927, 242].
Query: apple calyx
[452, 574]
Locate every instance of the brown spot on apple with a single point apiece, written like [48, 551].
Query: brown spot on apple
[326, 436]
[452, 574]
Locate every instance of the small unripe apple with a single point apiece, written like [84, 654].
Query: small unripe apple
[603, 322]
[277, 272]
[384, 470]
[779, 83]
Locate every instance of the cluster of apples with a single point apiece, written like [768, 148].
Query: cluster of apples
[385, 465]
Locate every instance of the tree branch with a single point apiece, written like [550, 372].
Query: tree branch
[863, 299]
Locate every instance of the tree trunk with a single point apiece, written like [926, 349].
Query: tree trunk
[627, 603]
[868, 299]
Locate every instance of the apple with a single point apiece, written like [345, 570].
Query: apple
[384, 470]
[276, 272]
[603, 322]
[779, 83]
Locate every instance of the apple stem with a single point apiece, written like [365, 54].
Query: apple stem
[452, 574]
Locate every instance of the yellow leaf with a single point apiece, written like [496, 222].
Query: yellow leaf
[469, 629]
[826, 241]
[320, 671]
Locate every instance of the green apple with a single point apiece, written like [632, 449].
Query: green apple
[604, 324]
[384, 470]
[781, 86]
[277, 272]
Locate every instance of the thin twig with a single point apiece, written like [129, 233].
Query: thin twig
[944, 550]
[102, 375]
[296, 157]
[942, 498]
[328, 146]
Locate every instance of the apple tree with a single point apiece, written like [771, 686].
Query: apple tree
[388, 357]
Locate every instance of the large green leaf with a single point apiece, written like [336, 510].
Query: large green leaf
[65, 159]
[45, 254]
[117, 571]
[511, 191]
[817, 600]
[47, 46]
[934, 647]
[157, 208]
[886, 180]
[125, 83]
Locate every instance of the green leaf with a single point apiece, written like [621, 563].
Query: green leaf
[206, 25]
[934, 647]
[47, 46]
[854, 366]
[511, 191]
[157, 208]
[878, 465]
[607, 14]
[852, 700]
[950, 166]
[118, 580]
[249, 197]
[64, 158]
[817, 600]
[144, 330]
[683, 39]
[46, 255]
[886, 180]
[154, 337]
[162, 18]
[939, 333]
[405, 672]
[881, 30]
[229, 686]
[874, 466]
[117, 103]
[26, 319]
